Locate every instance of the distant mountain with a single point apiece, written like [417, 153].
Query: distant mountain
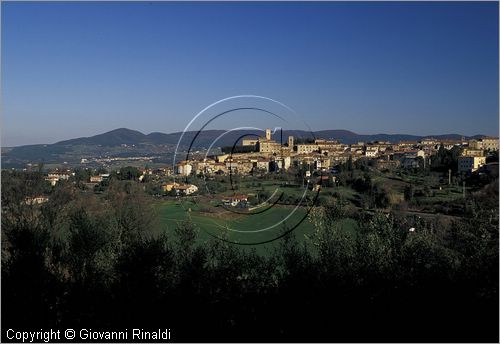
[111, 138]
[121, 136]
[127, 142]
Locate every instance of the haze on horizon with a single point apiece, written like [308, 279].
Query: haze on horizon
[83, 68]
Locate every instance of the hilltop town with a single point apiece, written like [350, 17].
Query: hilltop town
[303, 163]
[266, 155]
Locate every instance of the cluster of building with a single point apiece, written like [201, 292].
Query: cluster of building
[473, 158]
[118, 159]
[264, 154]
[55, 176]
[180, 189]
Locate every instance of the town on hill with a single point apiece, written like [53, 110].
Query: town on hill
[159, 147]
[295, 162]
[267, 155]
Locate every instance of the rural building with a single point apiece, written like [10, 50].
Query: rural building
[180, 189]
[96, 179]
[35, 200]
[59, 175]
[239, 201]
[185, 189]
[52, 180]
[169, 186]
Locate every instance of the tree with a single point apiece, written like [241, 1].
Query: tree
[380, 196]
[363, 183]
[131, 211]
[409, 192]
[88, 239]
[445, 159]
[82, 175]
[186, 234]
[128, 173]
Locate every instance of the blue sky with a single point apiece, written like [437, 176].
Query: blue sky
[79, 69]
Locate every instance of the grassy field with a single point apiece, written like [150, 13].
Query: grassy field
[242, 226]
[213, 220]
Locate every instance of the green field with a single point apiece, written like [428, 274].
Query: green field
[213, 220]
[243, 228]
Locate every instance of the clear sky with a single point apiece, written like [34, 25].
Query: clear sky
[79, 69]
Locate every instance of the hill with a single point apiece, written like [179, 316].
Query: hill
[121, 136]
[127, 142]
[111, 138]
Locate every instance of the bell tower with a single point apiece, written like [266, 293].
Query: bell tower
[268, 134]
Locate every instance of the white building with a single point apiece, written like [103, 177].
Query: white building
[487, 143]
[185, 189]
[306, 148]
[371, 151]
[184, 168]
[236, 201]
[250, 142]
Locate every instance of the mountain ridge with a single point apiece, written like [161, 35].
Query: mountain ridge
[127, 136]
[123, 142]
